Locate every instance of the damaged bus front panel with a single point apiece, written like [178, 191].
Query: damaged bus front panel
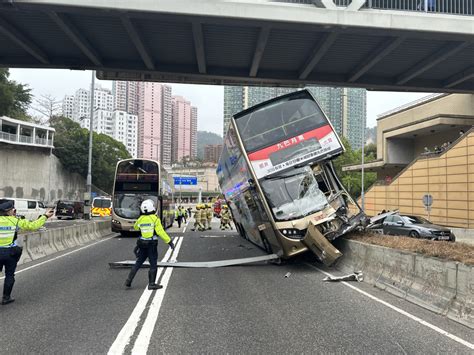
[277, 176]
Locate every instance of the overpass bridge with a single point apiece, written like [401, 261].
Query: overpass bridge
[283, 43]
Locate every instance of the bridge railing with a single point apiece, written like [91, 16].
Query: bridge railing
[455, 7]
[10, 137]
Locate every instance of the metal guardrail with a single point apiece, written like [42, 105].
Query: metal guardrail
[455, 7]
[10, 137]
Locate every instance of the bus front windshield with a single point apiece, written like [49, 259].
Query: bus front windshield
[127, 205]
[293, 194]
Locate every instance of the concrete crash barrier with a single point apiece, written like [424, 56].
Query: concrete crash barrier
[444, 287]
[40, 244]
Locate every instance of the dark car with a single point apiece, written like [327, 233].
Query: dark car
[416, 227]
[69, 209]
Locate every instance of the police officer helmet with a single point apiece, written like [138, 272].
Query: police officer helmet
[148, 206]
[225, 207]
[6, 205]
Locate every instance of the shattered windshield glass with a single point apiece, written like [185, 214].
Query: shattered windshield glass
[294, 194]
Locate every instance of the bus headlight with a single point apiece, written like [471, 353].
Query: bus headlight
[114, 221]
[293, 233]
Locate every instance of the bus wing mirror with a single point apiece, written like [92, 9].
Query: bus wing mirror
[251, 182]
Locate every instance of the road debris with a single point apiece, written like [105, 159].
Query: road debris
[356, 276]
[287, 275]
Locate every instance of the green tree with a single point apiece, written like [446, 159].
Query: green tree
[350, 179]
[72, 142]
[14, 98]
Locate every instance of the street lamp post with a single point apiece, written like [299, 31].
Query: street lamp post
[88, 196]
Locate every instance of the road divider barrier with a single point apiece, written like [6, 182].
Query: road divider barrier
[444, 287]
[42, 243]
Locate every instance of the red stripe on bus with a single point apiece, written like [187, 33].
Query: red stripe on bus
[318, 133]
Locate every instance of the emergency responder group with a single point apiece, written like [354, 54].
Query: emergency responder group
[203, 217]
[10, 252]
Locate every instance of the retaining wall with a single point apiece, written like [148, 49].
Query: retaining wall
[444, 287]
[37, 245]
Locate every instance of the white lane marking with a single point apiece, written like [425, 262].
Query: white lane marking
[125, 335]
[59, 257]
[143, 340]
[186, 226]
[401, 311]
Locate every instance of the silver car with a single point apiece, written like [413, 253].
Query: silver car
[416, 227]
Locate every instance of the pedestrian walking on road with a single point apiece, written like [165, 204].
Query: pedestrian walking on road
[10, 252]
[183, 213]
[150, 229]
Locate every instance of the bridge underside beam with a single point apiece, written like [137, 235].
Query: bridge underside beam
[241, 43]
[259, 49]
[137, 41]
[75, 35]
[319, 51]
[381, 52]
[429, 62]
[23, 41]
[460, 77]
[199, 46]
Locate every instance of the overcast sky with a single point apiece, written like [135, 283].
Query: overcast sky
[208, 99]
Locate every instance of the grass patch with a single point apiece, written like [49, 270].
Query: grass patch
[461, 252]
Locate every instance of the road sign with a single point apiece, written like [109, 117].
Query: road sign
[427, 200]
[185, 180]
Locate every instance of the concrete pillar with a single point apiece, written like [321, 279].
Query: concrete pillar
[34, 135]
[18, 129]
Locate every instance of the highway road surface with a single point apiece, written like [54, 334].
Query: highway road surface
[73, 302]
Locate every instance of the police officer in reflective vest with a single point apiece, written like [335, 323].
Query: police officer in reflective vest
[150, 229]
[10, 252]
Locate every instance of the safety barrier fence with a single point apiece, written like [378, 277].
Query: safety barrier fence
[39, 244]
[444, 287]
[9, 137]
[455, 7]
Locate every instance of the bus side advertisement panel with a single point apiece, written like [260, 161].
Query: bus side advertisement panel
[310, 146]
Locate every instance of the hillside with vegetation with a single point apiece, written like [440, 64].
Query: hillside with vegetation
[204, 138]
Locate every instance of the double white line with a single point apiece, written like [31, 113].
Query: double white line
[124, 338]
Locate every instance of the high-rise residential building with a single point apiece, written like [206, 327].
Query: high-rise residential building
[154, 122]
[68, 106]
[345, 107]
[212, 152]
[103, 100]
[194, 124]
[81, 105]
[184, 129]
[124, 129]
[103, 122]
[126, 96]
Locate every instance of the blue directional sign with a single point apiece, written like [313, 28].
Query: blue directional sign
[185, 180]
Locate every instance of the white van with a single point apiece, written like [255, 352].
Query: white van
[30, 209]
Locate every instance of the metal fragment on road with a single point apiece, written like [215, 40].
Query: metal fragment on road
[216, 236]
[287, 275]
[199, 264]
[356, 276]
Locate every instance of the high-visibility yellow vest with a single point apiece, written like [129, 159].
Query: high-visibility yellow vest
[9, 224]
[150, 226]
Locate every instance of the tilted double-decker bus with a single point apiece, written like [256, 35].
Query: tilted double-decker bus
[137, 180]
[278, 179]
